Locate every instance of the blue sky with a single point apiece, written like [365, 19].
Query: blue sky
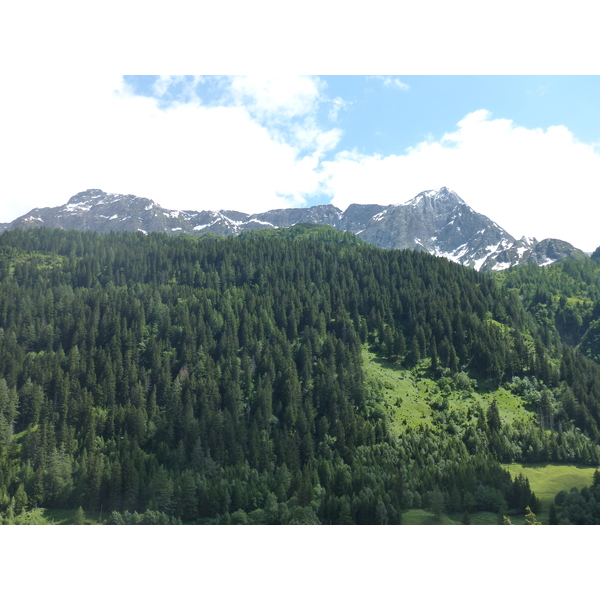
[524, 150]
[387, 114]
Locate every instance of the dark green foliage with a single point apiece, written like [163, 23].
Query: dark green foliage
[221, 380]
[590, 341]
[149, 517]
[307, 231]
[563, 299]
[579, 507]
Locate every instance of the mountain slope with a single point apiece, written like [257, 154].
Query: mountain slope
[226, 381]
[436, 221]
[564, 299]
[441, 223]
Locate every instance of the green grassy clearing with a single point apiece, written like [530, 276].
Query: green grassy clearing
[56, 516]
[547, 480]
[64, 516]
[411, 397]
[418, 516]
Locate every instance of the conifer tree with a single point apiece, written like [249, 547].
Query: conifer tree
[530, 517]
[79, 517]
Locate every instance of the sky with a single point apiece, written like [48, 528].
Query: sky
[523, 150]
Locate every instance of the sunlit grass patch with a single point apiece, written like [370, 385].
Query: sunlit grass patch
[547, 480]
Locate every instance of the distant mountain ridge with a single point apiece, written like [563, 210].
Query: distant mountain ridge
[436, 221]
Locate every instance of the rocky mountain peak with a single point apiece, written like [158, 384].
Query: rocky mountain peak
[87, 196]
[528, 241]
[436, 199]
[436, 221]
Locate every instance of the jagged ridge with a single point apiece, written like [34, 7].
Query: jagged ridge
[435, 221]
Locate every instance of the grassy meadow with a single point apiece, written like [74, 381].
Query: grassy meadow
[411, 397]
[547, 480]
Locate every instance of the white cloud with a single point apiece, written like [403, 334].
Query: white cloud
[273, 97]
[162, 84]
[187, 83]
[308, 135]
[62, 136]
[336, 105]
[542, 183]
[393, 82]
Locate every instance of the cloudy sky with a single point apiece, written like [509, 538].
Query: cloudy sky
[523, 150]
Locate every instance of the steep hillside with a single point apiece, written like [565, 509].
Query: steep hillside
[225, 381]
[564, 299]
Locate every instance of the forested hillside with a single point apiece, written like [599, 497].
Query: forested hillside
[564, 299]
[222, 380]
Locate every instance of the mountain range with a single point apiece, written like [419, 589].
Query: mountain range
[436, 221]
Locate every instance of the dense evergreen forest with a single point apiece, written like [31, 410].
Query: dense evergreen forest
[564, 299]
[208, 380]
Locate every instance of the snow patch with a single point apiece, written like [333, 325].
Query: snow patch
[379, 216]
[230, 220]
[454, 256]
[263, 223]
[479, 263]
[501, 266]
[79, 206]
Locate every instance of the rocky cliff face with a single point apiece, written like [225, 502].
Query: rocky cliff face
[441, 223]
[550, 250]
[435, 221]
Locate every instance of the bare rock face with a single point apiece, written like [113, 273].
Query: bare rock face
[434, 221]
[550, 250]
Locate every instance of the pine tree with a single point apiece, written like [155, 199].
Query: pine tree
[493, 416]
[79, 517]
[530, 517]
[436, 505]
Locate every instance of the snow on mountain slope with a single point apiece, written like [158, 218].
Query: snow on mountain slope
[434, 221]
